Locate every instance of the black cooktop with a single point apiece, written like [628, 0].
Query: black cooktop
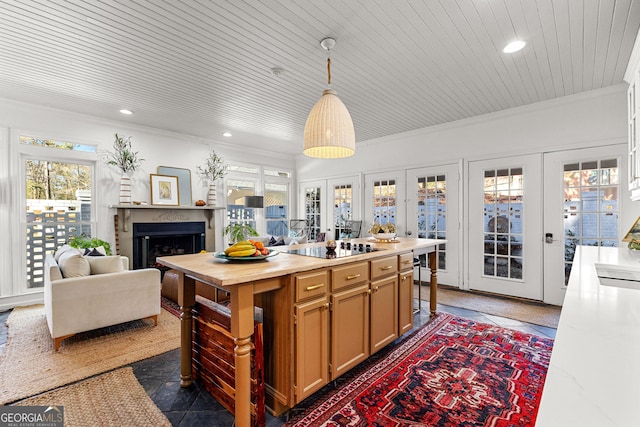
[340, 251]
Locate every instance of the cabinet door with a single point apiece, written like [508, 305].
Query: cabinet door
[405, 302]
[384, 312]
[312, 347]
[349, 329]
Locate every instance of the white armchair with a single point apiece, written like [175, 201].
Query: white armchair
[84, 303]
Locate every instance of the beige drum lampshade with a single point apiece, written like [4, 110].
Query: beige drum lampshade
[329, 132]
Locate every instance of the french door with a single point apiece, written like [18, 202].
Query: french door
[522, 239]
[433, 213]
[583, 190]
[505, 226]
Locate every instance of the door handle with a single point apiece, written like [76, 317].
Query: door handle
[548, 238]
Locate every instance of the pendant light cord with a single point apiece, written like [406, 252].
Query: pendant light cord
[329, 71]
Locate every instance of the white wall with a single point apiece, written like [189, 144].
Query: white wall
[588, 119]
[157, 147]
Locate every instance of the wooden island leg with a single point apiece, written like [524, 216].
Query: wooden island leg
[186, 300]
[433, 286]
[242, 328]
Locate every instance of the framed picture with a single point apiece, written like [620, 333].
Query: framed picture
[184, 182]
[634, 232]
[164, 190]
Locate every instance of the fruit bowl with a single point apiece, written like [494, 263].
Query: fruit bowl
[384, 236]
[221, 255]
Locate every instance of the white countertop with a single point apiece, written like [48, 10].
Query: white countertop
[594, 373]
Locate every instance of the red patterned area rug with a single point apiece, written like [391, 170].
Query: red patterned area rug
[451, 372]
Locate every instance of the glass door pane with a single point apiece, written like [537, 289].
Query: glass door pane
[342, 210]
[313, 213]
[503, 217]
[591, 213]
[384, 201]
[432, 212]
[237, 190]
[276, 208]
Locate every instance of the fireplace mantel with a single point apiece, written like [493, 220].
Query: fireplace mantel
[208, 211]
[127, 215]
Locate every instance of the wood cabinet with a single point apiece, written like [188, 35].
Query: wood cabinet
[384, 302]
[632, 76]
[311, 331]
[342, 315]
[405, 293]
[349, 317]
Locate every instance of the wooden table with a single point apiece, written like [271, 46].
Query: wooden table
[244, 280]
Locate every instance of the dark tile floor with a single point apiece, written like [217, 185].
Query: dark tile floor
[193, 406]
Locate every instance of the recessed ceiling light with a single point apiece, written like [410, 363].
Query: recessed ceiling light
[227, 134]
[125, 111]
[514, 46]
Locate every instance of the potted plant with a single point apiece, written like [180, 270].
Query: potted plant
[127, 161]
[214, 168]
[238, 232]
[86, 242]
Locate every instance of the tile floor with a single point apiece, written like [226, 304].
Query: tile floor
[195, 407]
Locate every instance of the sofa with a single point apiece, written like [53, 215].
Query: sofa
[82, 293]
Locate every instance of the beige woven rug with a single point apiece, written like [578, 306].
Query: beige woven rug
[112, 399]
[28, 365]
[524, 311]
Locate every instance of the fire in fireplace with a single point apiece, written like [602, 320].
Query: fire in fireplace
[151, 240]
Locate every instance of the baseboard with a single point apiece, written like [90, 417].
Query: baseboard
[7, 303]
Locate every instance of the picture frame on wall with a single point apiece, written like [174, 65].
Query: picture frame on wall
[164, 190]
[184, 182]
[634, 232]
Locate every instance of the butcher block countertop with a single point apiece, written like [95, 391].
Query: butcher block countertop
[220, 272]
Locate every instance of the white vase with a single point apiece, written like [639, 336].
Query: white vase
[211, 195]
[125, 189]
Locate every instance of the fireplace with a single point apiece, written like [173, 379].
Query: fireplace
[151, 240]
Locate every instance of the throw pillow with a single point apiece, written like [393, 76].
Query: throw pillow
[62, 249]
[93, 252]
[272, 241]
[280, 241]
[105, 264]
[73, 264]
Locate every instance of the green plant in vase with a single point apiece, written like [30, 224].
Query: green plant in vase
[214, 169]
[126, 161]
[237, 232]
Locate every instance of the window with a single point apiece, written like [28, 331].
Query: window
[58, 190]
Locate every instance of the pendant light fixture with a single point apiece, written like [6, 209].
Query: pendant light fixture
[329, 133]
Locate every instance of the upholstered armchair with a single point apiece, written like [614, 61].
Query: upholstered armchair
[103, 294]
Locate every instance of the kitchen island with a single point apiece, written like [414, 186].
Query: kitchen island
[297, 293]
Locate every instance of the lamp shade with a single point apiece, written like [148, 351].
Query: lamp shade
[329, 131]
[253, 201]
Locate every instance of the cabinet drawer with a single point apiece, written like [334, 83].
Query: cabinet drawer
[341, 277]
[405, 261]
[384, 267]
[311, 285]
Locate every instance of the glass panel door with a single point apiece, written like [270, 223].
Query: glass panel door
[582, 207]
[385, 195]
[505, 226]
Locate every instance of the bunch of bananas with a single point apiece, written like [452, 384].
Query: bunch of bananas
[244, 248]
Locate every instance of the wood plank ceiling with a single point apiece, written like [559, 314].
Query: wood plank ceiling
[204, 67]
